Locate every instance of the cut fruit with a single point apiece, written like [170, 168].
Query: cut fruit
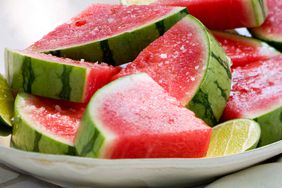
[271, 30]
[45, 125]
[243, 50]
[133, 117]
[219, 14]
[257, 94]
[233, 137]
[53, 77]
[107, 33]
[191, 66]
[6, 102]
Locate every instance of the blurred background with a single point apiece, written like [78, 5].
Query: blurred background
[22, 22]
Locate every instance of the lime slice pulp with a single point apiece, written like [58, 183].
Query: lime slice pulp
[232, 137]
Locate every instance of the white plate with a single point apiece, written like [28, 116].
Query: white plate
[76, 171]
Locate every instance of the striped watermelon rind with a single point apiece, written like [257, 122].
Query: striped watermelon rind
[271, 126]
[211, 97]
[264, 50]
[114, 49]
[256, 10]
[273, 40]
[45, 78]
[27, 137]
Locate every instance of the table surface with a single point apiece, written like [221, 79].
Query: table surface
[22, 23]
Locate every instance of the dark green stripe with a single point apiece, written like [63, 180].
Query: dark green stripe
[90, 146]
[201, 98]
[36, 142]
[107, 53]
[261, 2]
[223, 63]
[160, 27]
[71, 151]
[222, 91]
[65, 77]
[184, 11]
[56, 53]
[280, 117]
[27, 74]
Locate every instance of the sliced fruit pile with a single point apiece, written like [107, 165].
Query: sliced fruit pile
[181, 79]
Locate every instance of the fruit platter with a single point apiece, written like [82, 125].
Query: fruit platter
[146, 93]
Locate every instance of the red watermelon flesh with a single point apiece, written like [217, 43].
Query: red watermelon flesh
[146, 122]
[272, 26]
[220, 14]
[174, 61]
[243, 50]
[257, 88]
[98, 74]
[58, 118]
[102, 21]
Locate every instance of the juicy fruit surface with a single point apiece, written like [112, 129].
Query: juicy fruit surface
[99, 22]
[59, 118]
[174, 60]
[257, 87]
[232, 137]
[224, 14]
[243, 50]
[145, 122]
[6, 102]
[271, 28]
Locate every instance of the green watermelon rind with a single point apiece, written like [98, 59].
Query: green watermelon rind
[92, 139]
[269, 50]
[272, 39]
[34, 75]
[275, 41]
[26, 136]
[211, 97]
[114, 49]
[271, 126]
[260, 11]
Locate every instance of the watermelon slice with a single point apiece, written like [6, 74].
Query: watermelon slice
[133, 117]
[45, 125]
[257, 94]
[271, 30]
[219, 14]
[107, 33]
[243, 50]
[191, 66]
[49, 76]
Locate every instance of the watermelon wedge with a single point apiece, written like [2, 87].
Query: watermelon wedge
[53, 77]
[243, 50]
[257, 94]
[107, 33]
[133, 117]
[45, 125]
[271, 30]
[191, 66]
[219, 14]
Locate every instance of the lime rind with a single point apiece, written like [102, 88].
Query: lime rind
[233, 137]
[6, 102]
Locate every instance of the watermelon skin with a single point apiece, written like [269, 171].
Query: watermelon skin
[270, 30]
[243, 50]
[53, 77]
[204, 91]
[114, 47]
[29, 137]
[219, 14]
[257, 94]
[156, 126]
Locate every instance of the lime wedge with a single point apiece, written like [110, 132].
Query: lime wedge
[232, 137]
[6, 102]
